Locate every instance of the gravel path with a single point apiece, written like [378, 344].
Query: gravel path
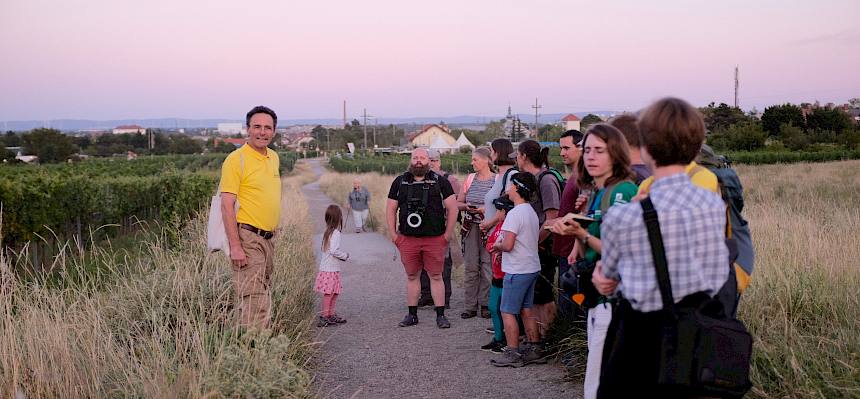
[371, 357]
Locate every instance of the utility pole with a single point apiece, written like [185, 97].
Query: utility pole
[374, 132]
[536, 107]
[365, 115]
[736, 86]
[344, 114]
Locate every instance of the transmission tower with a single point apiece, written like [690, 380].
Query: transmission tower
[736, 86]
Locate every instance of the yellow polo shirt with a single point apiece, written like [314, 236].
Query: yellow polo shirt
[702, 177]
[255, 180]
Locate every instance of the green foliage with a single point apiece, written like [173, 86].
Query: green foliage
[745, 136]
[792, 137]
[833, 120]
[722, 116]
[41, 199]
[589, 119]
[774, 157]
[550, 132]
[850, 139]
[50, 145]
[182, 144]
[10, 139]
[776, 116]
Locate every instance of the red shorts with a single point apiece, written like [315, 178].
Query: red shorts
[426, 253]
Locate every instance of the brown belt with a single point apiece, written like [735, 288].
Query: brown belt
[262, 233]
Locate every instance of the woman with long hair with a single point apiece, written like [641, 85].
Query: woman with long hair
[604, 175]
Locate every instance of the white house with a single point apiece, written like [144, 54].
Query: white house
[428, 135]
[124, 129]
[570, 122]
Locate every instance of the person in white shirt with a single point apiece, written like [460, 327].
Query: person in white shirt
[521, 264]
[328, 278]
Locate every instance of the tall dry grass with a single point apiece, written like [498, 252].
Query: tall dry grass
[160, 324]
[803, 306]
[338, 185]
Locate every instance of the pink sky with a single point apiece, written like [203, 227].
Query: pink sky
[104, 59]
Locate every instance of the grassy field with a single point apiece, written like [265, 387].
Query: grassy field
[159, 325]
[803, 306]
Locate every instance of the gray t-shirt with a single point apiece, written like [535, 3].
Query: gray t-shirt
[359, 199]
[550, 192]
[496, 192]
[523, 257]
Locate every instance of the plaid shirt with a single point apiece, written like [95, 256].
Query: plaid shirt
[692, 223]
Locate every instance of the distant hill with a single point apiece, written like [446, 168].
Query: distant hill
[172, 123]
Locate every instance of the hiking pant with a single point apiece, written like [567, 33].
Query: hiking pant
[252, 282]
[360, 218]
[599, 318]
[478, 272]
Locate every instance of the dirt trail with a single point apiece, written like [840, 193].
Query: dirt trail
[371, 357]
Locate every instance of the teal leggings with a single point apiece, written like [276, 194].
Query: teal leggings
[495, 301]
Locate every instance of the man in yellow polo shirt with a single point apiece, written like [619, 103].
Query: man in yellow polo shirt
[250, 176]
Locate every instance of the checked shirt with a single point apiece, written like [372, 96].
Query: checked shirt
[692, 223]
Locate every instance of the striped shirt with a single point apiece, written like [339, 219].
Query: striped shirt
[478, 189]
[692, 223]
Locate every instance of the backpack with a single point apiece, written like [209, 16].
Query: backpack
[558, 176]
[738, 235]
[508, 172]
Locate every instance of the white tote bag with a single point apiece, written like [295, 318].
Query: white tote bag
[216, 233]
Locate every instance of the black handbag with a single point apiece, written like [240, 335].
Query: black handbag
[704, 352]
[577, 280]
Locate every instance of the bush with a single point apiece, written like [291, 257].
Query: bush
[793, 137]
[747, 136]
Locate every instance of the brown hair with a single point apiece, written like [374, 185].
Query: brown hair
[534, 153]
[626, 123]
[619, 154]
[503, 148]
[672, 131]
[333, 220]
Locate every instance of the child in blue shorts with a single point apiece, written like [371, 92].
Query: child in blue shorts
[519, 248]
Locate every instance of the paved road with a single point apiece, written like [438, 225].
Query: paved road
[371, 357]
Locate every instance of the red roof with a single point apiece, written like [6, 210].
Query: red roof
[570, 118]
[129, 127]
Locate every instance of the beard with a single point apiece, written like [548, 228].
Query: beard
[419, 171]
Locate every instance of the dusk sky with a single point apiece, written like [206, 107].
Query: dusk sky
[110, 59]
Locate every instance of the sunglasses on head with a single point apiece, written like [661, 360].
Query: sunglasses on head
[520, 185]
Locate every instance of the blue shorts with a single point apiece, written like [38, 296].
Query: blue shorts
[518, 292]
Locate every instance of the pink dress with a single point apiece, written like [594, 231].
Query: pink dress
[328, 278]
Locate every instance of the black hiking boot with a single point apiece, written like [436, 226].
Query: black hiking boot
[442, 321]
[409, 320]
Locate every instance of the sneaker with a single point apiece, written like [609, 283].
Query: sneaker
[485, 312]
[336, 319]
[442, 321]
[409, 320]
[510, 358]
[323, 322]
[490, 330]
[468, 314]
[532, 354]
[494, 346]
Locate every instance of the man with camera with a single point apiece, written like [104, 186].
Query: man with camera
[421, 212]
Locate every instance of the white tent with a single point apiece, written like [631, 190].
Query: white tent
[442, 146]
[463, 141]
